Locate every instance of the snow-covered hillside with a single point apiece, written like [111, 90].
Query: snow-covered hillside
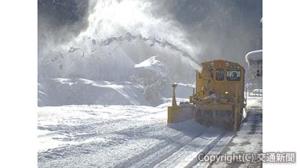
[154, 65]
[148, 85]
[66, 91]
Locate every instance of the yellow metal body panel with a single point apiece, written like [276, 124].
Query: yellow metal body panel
[221, 83]
[219, 87]
[206, 81]
[172, 113]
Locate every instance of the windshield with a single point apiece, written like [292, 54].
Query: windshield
[220, 75]
[233, 75]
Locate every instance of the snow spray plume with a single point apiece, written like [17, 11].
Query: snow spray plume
[153, 41]
[224, 29]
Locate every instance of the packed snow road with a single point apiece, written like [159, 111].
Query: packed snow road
[122, 136]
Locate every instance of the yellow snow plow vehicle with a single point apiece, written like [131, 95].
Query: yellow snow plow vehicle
[218, 99]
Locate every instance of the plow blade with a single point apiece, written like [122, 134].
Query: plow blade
[180, 113]
[217, 115]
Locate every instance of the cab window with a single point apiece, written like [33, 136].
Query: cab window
[233, 75]
[220, 75]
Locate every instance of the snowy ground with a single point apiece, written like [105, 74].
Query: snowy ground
[115, 136]
[247, 140]
[129, 136]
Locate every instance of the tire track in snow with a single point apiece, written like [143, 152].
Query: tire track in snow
[112, 138]
[89, 130]
[215, 150]
[187, 156]
[159, 152]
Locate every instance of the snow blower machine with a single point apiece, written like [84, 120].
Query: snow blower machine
[218, 99]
